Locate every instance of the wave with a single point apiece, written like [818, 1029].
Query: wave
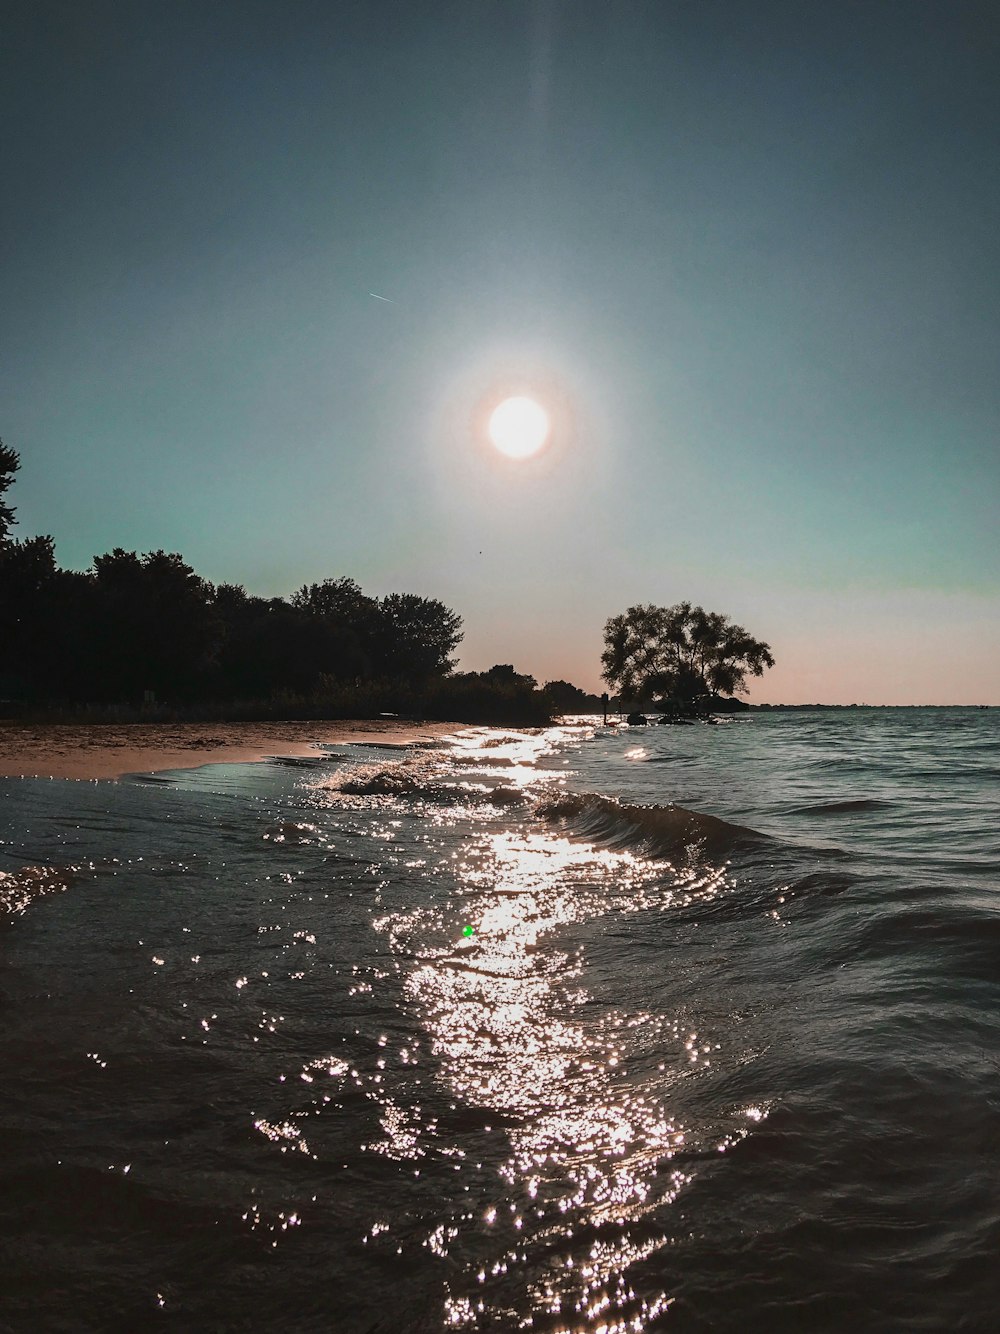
[655, 831]
[388, 778]
[419, 778]
[840, 807]
[824, 883]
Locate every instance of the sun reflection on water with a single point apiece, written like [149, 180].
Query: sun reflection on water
[521, 1076]
[586, 1145]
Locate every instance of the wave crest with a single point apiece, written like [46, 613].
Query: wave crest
[400, 778]
[419, 778]
[656, 831]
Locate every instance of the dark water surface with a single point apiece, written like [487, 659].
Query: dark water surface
[684, 1029]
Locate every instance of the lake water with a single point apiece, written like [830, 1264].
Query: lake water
[676, 1028]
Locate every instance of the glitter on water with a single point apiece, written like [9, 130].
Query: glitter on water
[545, 1031]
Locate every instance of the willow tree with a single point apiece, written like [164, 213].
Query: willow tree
[682, 651]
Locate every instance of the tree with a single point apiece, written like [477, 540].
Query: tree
[344, 624]
[503, 674]
[10, 462]
[27, 570]
[159, 624]
[339, 600]
[269, 646]
[500, 695]
[564, 697]
[680, 651]
[400, 636]
[415, 637]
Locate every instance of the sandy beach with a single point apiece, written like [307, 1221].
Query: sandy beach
[108, 751]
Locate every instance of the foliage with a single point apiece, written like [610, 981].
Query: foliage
[563, 697]
[10, 461]
[399, 636]
[27, 570]
[157, 621]
[499, 695]
[266, 645]
[504, 677]
[681, 652]
[334, 600]
[414, 636]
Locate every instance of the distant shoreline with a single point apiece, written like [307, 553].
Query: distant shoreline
[771, 707]
[93, 751]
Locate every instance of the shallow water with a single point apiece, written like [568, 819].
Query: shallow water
[680, 1028]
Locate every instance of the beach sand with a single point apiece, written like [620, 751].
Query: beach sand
[108, 751]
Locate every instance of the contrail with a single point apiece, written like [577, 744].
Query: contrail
[382, 298]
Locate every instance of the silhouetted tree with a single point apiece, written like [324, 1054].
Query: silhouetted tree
[159, 623]
[74, 652]
[563, 697]
[400, 636]
[10, 462]
[680, 651]
[502, 673]
[350, 619]
[27, 570]
[269, 646]
[414, 637]
[500, 695]
[335, 600]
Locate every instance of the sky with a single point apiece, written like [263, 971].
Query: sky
[744, 253]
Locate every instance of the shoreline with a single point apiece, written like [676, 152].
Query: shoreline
[109, 751]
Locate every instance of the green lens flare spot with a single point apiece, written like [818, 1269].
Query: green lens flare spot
[468, 931]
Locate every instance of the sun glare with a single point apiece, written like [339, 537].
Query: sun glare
[519, 427]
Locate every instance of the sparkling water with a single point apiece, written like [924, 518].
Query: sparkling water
[597, 1029]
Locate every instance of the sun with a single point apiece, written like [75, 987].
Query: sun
[519, 427]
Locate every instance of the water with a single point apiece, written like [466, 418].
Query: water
[691, 1028]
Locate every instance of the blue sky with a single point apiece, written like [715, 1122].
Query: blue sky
[744, 253]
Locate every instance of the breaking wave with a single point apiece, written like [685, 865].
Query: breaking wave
[421, 778]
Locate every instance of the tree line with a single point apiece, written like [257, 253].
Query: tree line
[144, 628]
[147, 628]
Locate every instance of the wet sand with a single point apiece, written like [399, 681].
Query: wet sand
[108, 751]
